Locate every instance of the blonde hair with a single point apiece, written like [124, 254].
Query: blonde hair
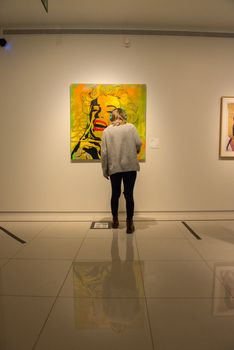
[118, 112]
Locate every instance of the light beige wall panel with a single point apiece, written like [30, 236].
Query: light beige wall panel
[185, 79]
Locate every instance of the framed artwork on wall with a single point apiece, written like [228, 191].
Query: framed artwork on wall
[91, 106]
[226, 148]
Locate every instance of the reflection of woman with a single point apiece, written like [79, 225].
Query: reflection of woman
[113, 290]
[89, 145]
[122, 303]
[120, 145]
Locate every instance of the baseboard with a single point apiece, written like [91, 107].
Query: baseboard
[102, 216]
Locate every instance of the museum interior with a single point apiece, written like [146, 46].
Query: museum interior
[68, 279]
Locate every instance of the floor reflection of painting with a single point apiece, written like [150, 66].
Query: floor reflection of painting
[91, 107]
[224, 306]
[113, 291]
[109, 294]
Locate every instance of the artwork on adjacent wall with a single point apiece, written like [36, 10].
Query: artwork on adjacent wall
[227, 128]
[91, 107]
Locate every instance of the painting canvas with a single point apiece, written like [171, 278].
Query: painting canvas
[91, 107]
[227, 128]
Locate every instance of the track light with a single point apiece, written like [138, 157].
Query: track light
[3, 42]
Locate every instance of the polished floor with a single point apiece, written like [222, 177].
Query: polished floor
[71, 287]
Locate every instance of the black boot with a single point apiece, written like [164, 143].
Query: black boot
[130, 226]
[115, 222]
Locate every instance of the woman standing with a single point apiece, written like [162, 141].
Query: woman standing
[119, 148]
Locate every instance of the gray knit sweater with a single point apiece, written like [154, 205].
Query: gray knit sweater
[120, 145]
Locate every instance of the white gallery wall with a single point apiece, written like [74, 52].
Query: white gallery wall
[185, 78]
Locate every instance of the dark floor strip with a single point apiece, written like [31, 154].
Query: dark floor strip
[12, 235]
[191, 230]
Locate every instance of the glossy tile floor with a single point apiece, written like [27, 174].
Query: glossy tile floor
[71, 287]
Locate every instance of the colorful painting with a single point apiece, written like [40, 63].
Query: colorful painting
[91, 107]
[227, 128]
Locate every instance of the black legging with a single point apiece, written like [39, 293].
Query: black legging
[129, 179]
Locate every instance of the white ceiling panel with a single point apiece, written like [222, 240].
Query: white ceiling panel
[198, 15]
